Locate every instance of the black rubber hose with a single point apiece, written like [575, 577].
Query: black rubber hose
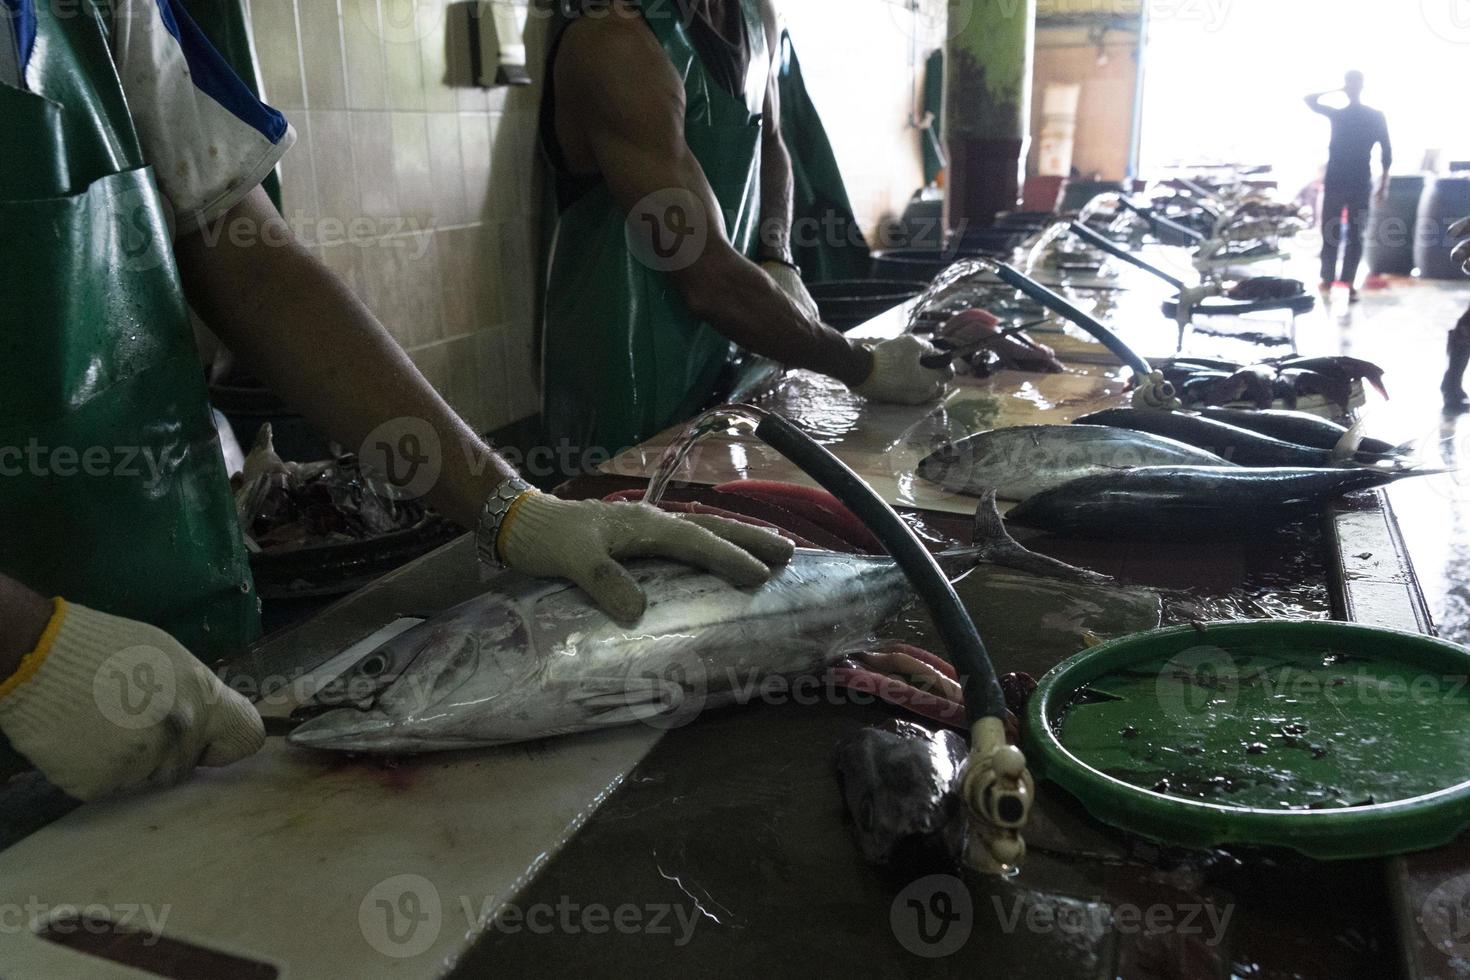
[1159, 223]
[1057, 304]
[1113, 248]
[983, 696]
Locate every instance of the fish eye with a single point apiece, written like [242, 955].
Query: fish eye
[374, 665]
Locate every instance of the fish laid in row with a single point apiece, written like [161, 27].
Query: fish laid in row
[1302, 428]
[1193, 501]
[1244, 447]
[1024, 460]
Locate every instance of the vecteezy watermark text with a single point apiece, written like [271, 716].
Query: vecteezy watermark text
[404, 916]
[34, 915]
[37, 459]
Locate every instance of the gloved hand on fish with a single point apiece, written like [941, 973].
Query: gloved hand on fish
[1286, 380]
[532, 659]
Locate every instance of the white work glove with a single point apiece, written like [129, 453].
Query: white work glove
[105, 704]
[1461, 254]
[583, 540]
[898, 376]
[790, 282]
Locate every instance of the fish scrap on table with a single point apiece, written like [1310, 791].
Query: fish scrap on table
[901, 785]
[1212, 382]
[283, 506]
[979, 343]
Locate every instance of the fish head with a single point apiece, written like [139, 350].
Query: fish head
[413, 690]
[951, 461]
[901, 787]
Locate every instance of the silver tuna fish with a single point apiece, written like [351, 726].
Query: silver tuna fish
[531, 659]
[1024, 460]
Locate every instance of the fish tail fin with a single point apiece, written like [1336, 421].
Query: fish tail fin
[1346, 450]
[1405, 448]
[993, 544]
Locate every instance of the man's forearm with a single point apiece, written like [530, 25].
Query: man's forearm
[777, 196]
[23, 618]
[740, 301]
[321, 350]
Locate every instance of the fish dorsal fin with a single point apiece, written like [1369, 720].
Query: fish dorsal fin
[992, 543]
[989, 528]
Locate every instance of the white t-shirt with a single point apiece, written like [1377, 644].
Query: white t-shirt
[209, 140]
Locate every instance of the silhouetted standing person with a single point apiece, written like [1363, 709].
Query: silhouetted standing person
[1356, 129]
[1453, 386]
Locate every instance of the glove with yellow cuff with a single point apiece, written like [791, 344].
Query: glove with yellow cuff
[105, 703]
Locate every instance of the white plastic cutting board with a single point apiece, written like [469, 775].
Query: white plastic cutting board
[322, 866]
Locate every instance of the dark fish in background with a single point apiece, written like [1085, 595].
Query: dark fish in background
[1193, 501]
[1211, 388]
[1303, 428]
[1240, 446]
[1266, 287]
[1336, 388]
[1258, 384]
[1340, 365]
[1285, 392]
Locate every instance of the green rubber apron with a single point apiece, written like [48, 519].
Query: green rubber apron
[113, 491]
[623, 357]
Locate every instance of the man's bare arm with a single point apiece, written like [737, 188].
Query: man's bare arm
[23, 618]
[303, 332]
[620, 112]
[1314, 102]
[777, 183]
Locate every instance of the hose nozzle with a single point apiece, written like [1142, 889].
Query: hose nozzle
[1156, 392]
[999, 791]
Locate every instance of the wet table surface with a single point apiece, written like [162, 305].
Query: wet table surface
[737, 823]
[726, 850]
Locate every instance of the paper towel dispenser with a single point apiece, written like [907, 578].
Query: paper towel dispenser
[499, 37]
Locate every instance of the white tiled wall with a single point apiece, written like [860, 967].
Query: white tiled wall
[413, 185]
[422, 191]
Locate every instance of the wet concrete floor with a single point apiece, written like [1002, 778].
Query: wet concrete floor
[1403, 328]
